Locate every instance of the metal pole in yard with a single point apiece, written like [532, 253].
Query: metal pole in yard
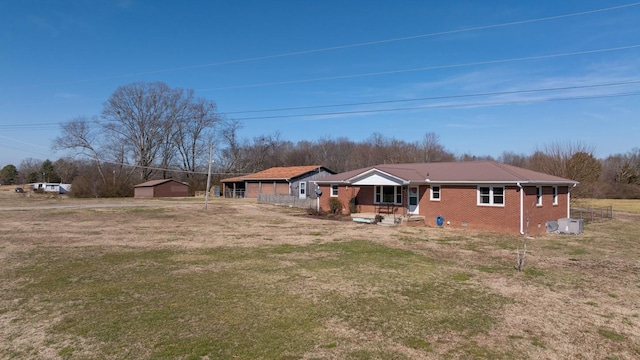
[206, 194]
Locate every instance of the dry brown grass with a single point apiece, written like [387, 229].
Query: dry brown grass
[577, 299]
[631, 206]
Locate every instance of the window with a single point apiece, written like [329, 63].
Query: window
[555, 195]
[388, 194]
[491, 195]
[538, 195]
[334, 190]
[498, 195]
[435, 193]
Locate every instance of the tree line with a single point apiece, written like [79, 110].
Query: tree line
[150, 131]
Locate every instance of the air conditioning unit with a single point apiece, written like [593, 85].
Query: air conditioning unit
[570, 226]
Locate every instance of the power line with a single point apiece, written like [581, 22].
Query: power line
[442, 106]
[23, 150]
[412, 37]
[499, 61]
[362, 44]
[444, 97]
[23, 142]
[166, 169]
[438, 97]
[439, 67]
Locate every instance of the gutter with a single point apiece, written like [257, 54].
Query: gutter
[521, 208]
[569, 200]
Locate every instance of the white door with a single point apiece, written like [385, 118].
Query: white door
[303, 190]
[413, 200]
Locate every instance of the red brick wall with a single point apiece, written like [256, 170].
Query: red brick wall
[345, 193]
[539, 215]
[459, 207]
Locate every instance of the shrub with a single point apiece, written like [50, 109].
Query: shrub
[335, 205]
[353, 205]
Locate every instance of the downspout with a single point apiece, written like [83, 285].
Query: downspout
[521, 208]
[569, 200]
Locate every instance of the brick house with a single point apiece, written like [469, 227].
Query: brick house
[288, 180]
[482, 195]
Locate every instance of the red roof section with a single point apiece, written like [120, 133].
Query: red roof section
[460, 172]
[276, 173]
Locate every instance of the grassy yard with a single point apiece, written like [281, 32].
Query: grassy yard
[631, 206]
[250, 281]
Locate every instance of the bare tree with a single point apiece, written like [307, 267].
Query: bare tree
[553, 158]
[302, 153]
[471, 157]
[264, 152]
[231, 158]
[66, 169]
[433, 150]
[379, 153]
[28, 170]
[141, 117]
[83, 136]
[511, 158]
[621, 175]
[194, 131]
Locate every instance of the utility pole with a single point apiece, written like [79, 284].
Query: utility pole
[206, 194]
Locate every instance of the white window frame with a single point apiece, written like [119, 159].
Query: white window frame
[555, 195]
[378, 194]
[492, 195]
[302, 188]
[431, 192]
[334, 187]
[539, 193]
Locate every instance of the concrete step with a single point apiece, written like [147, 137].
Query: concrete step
[389, 221]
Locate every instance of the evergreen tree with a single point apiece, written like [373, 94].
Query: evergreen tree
[8, 174]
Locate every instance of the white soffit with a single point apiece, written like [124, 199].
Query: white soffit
[377, 178]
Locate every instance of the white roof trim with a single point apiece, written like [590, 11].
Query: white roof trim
[376, 177]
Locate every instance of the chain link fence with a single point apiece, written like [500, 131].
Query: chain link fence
[592, 214]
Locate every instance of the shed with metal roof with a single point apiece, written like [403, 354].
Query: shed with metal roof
[161, 188]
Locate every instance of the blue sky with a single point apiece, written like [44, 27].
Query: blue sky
[61, 59]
